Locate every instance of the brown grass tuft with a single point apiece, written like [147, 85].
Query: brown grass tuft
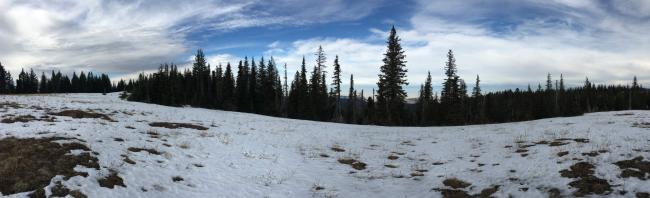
[172, 125]
[30, 164]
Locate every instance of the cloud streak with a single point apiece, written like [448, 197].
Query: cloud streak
[509, 43]
[122, 37]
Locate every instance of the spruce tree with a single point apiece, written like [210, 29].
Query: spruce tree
[317, 92]
[294, 97]
[350, 110]
[228, 89]
[304, 108]
[549, 82]
[33, 82]
[253, 88]
[336, 83]
[391, 96]
[242, 89]
[424, 106]
[476, 92]
[452, 94]
[43, 87]
[4, 85]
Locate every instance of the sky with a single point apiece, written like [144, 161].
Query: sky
[509, 43]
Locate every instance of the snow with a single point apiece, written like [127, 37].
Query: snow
[247, 155]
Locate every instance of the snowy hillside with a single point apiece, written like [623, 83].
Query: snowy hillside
[246, 155]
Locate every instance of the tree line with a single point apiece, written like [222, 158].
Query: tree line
[256, 86]
[28, 82]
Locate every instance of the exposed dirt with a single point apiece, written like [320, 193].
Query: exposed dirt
[449, 193]
[563, 153]
[177, 179]
[26, 118]
[590, 185]
[150, 151]
[636, 167]
[111, 181]
[557, 143]
[10, 105]
[172, 125]
[337, 149]
[30, 164]
[459, 193]
[485, 193]
[586, 182]
[77, 114]
[356, 164]
[455, 183]
[580, 169]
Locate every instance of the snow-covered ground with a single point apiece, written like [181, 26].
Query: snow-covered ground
[247, 155]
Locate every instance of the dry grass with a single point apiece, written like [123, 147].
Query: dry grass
[150, 151]
[77, 114]
[111, 181]
[356, 164]
[30, 164]
[586, 182]
[456, 183]
[636, 167]
[172, 125]
[26, 118]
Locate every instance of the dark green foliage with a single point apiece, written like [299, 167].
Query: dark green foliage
[259, 89]
[390, 95]
[6, 82]
[336, 90]
[350, 110]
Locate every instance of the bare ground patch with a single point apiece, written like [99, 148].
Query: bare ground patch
[77, 114]
[356, 164]
[26, 118]
[456, 183]
[586, 182]
[111, 181]
[457, 191]
[636, 167]
[173, 125]
[30, 164]
[150, 151]
[10, 105]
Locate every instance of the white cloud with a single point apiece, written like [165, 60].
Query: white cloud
[131, 36]
[585, 40]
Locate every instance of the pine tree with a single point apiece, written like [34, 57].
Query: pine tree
[477, 88]
[304, 107]
[4, 84]
[294, 97]
[200, 72]
[317, 91]
[424, 106]
[350, 110]
[391, 96]
[549, 82]
[242, 89]
[336, 83]
[260, 100]
[253, 88]
[33, 82]
[228, 89]
[452, 94]
[43, 87]
[477, 111]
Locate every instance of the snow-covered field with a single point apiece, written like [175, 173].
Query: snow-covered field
[246, 155]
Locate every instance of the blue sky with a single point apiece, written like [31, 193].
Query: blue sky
[510, 43]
